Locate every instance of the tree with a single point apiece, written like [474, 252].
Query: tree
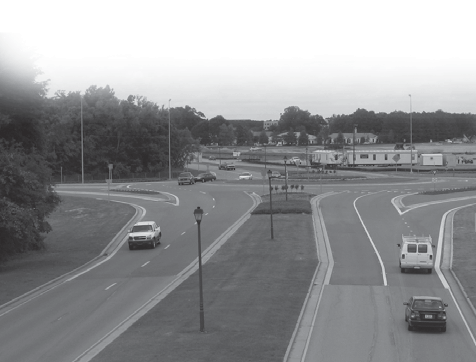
[263, 138]
[26, 196]
[226, 137]
[303, 138]
[244, 136]
[290, 138]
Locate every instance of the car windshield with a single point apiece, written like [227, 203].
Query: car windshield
[141, 228]
[202, 175]
[427, 304]
[185, 174]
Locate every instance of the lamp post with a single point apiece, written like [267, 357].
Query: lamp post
[170, 164]
[285, 178]
[198, 213]
[271, 202]
[82, 142]
[411, 136]
[353, 145]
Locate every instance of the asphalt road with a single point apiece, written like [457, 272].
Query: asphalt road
[361, 312]
[84, 308]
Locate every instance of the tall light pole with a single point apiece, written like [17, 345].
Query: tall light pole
[82, 142]
[271, 202]
[198, 213]
[411, 136]
[285, 178]
[170, 163]
[353, 145]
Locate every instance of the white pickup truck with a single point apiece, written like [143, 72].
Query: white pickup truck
[416, 252]
[144, 233]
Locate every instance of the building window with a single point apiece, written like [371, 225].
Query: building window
[386, 157]
[364, 156]
[375, 156]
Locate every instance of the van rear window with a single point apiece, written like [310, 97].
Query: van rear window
[423, 248]
[411, 248]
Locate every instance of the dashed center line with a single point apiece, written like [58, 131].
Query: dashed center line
[143, 265]
[110, 286]
[183, 233]
[167, 247]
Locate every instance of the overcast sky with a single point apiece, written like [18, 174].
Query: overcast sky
[252, 59]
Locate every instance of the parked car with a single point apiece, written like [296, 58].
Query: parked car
[144, 233]
[226, 166]
[204, 177]
[245, 176]
[275, 174]
[186, 178]
[212, 158]
[424, 311]
[295, 160]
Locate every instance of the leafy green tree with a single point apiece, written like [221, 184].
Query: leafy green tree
[263, 138]
[303, 138]
[26, 196]
[226, 137]
[243, 135]
[290, 138]
[201, 133]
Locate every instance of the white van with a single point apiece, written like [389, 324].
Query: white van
[416, 252]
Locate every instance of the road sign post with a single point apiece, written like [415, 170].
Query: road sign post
[396, 158]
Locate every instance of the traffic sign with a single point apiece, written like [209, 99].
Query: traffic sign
[396, 157]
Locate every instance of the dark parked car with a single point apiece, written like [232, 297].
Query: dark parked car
[424, 311]
[186, 178]
[204, 177]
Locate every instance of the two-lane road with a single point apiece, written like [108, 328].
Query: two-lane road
[64, 322]
[360, 315]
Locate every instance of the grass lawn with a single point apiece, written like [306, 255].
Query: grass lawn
[82, 228]
[254, 289]
[464, 250]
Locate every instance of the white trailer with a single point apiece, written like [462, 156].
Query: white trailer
[327, 157]
[381, 157]
[432, 159]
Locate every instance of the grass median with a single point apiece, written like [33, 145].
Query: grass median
[254, 288]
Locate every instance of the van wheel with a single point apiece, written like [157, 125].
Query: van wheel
[430, 271]
[410, 328]
[402, 270]
[131, 247]
[443, 329]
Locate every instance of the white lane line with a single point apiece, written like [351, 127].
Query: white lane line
[110, 286]
[184, 232]
[167, 247]
[143, 265]
[384, 273]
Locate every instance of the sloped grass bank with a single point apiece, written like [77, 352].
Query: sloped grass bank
[82, 228]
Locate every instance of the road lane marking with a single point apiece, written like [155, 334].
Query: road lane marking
[382, 266]
[143, 265]
[184, 232]
[167, 247]
[109, 287]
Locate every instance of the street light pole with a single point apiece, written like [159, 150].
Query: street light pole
[198, 213]
[411, 136]
[285, 178]
[170, 164]
[271, 202]
[82, 142]
[353, 145]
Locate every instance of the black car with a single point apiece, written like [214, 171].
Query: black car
[204, 177]
[425, 312]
